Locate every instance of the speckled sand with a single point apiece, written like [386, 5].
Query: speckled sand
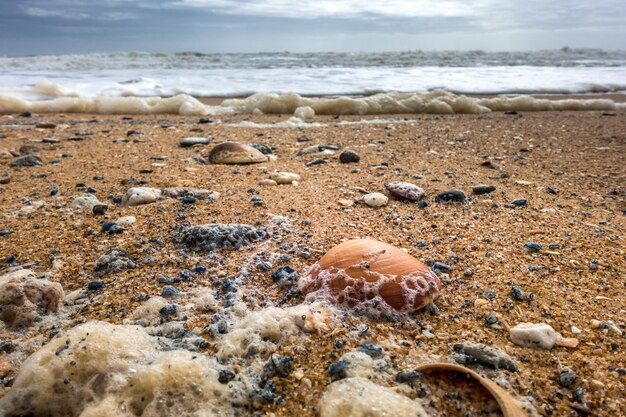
[580, 155]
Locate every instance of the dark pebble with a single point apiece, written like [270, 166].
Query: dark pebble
[5, 232]
[185, 275]
[277, 365]
[95, 285]
[490, 294]
[205, 120]
[98, 177]
[520, 202]
[567, 378]
[303, 138]
[225, 376]
[188, 199]
[169, 291]
[54, 191]
[581, 409]
[6, 346]
[285, 274]
[100, 209]
[168, 310]
[532, 246]
[349, 156]
[422, 204]
[316, 161]
[491, 319]
[91, 190]
[456, 196]
[340, 343]
[483, 189]
[26, 161]
[371, 350]
[550, 190]
[442, 267]
[256, 202]
[554, 246]
[115, 229]
[408, 377]
[468, 272]
[106, 226]
[517, 293]
[200, 269]
[117, 199]
[26, 114]
[339, 370]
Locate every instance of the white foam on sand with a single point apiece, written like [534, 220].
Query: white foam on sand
[436, 102]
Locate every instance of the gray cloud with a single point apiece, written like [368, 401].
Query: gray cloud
[66, 26]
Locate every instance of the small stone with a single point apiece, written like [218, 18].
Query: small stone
[126, 220]
[116, 229]
[277, 365]
[95, 285]
[534, 335]
[191, 141]
[483, 189]
[264, 149]
[86, 202]
[285, 276]
[169, 291]
[532, 246]
[517, 293]
[405, 190]
[316, 161]
[284, 177]
[375, 199]
[567, 377]
[6, 232]
[372, 350]
[345, 203]
[550, 190]
[100, 209]
[349, 156]
[422, 204]
[492, 319]
[225, 376]
[26, 161]
[471, 353]
[456, 196]
[140, 195]
[442, 267]
[267, 182]
[188, 199]
[113, 261]
[522, 182]
[520, 202]
[468, 272]
[490, 164]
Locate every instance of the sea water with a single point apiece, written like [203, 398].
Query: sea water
[81, 79]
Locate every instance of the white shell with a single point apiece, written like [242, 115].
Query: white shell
[375, 199]
[534, 335]
[140, 195]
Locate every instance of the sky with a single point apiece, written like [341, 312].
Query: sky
[83, 26]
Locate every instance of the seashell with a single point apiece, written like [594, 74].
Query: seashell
[140, 195]
[375, 199]
[235, 153]
[405, 190]
[284, 177]
[367, 273]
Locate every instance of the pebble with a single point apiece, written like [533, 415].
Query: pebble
[113, 261]
[95, 285]
[567, 377]
[86, 202]
[284, 177]
[517, 293]
[140, 195]
[375, 199]
[492, 319]
[126, 220]
[26, 161]
[225, 376]
[520, 202]
[264, 149]
[277, 365]
[472, 353]
[188, 199]
[372, 350]
[468, 272]
[483, 189]
[116, 229]
[405, 190]
[191, 141]
[533, 335]
[99, 209]
[5, 232]
[532, 246]
[456, 196]
[267, 182]
[349, 156]
[442, 267]
[199, 193]
[345, 202]
[217, 235]
[316, 161]
[285, 276]
[169, 291]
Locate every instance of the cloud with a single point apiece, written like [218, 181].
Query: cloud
[78, 11]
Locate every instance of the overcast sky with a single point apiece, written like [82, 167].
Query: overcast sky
[81, 26]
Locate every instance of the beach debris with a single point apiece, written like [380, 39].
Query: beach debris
[471, 353]
[375, 199]
[113, 261]
[327, 149]
[284, 177]
[217, 235]
[192, 141]
[405, 190]
[456, 196]
[316, 161]
[24, 298]
[364, 273]
[236, 153]
[26, 161]
[348, 156]
[539, 335]
[483, 189]
[140, 195]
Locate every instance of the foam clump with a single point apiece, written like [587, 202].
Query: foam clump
[101, 369]
[24, 299]
[359, 397]
[148, 313]
[218, 235]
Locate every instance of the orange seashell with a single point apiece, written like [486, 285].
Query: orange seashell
[364, 273]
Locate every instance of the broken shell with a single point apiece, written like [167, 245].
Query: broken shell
[375, 199]
[405, 190]
[367, 273]
[235, 153]
[284, 177]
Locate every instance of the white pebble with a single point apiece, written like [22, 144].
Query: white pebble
[126, 220]
[534, 335]
[140, 195]
[284, 177]
[576, 330]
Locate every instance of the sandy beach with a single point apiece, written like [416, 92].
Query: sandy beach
[568, 166]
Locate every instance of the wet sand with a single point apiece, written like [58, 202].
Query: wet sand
[576, 278]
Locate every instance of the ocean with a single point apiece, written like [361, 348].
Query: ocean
[29, 80]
